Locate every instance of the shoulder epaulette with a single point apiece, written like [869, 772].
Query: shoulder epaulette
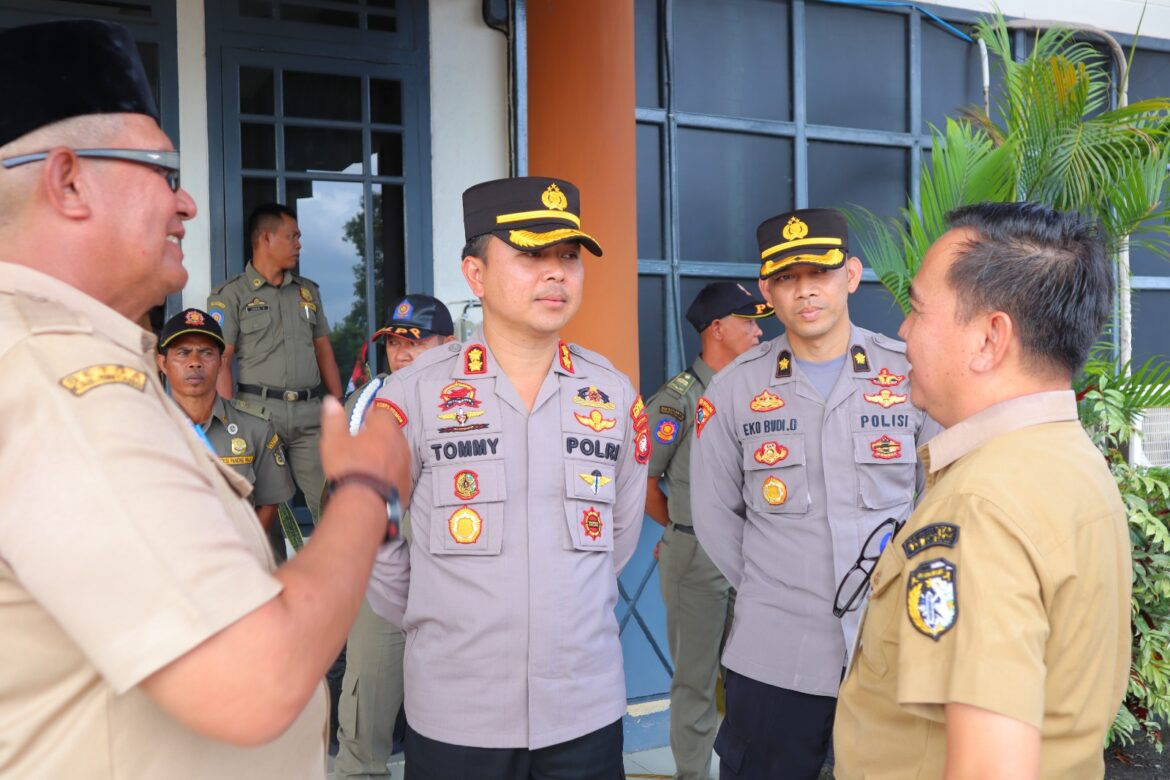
[894, 345]
[254, 409]
[595, 358]
[44, 315]
[680, 384]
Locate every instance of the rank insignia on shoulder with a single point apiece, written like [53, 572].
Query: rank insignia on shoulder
[766, 402]
[239, 446]
[566, 357]
[784, 364]
[931, 599]
[593, 398]
[390, 406]
[886, 448]
[933, 535]
[466, 485]
[774, 490]
[465, 525]
[860, 358]
[770, 453]
[885, 398]
[681, 383]
[81, 382]
[591, 522]
[475, 359]
[666, 432]
[642, 445]
[595, 421]
[670, 411]
[887, 378]
[595, 480]
[704, 411]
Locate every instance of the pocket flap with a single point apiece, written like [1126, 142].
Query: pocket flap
[884, 447]
[590, 481]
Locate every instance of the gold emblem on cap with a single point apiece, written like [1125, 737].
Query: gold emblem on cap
[796, 228]
[239, 446]
[553, 198]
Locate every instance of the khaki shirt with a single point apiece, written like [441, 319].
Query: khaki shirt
[124, 544]
[786, 486]
[672, 420]
[244, 439]
[521, 521]
[1008, 589]
[272, 328]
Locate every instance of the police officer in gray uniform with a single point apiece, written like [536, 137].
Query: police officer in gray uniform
[529, 460]
[694, 592]
[803, 446]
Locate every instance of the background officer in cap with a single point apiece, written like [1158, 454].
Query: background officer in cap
[529, 456]
[803, 446]
[274, 324]
[693, 590]
[147, 631]
[190, 352]
[371, 691]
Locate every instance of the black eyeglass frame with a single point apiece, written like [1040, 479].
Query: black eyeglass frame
[165, 160]
[855, 598]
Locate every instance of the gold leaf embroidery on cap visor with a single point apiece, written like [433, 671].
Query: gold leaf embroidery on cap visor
[528, 239]
[831, 258]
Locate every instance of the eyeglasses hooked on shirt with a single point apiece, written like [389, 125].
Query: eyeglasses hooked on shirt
[164, 161]
[855, 583]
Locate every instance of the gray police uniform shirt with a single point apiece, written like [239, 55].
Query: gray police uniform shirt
[671, 412]
[521, 522]
[787, 486]
[244, 439]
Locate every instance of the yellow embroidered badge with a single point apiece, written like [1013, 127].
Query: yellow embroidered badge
[81, 382]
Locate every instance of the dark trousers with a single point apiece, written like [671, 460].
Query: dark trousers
[595, 756]
[772, 733]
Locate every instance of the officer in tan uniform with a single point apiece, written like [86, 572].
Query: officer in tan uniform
[274, 324]
[190, 351]
[803, 446]
[695, 594]
[529, 459]
[997, 639]
[371, 691]
[147, 633]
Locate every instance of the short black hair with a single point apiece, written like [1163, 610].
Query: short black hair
[264, 216]
[476, 246]
[1048, 270]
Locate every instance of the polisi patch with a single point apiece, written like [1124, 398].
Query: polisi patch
[766, 402]
[931, 599]
[81, 382]
[465, 525]
[933, 535]
[704, 411]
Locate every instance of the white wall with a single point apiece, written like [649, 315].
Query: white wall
[1113, 15]
[193, 143]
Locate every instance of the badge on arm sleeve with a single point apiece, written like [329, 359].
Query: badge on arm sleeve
[704, 411]
[390, 406]
[81, 382]
[931, 600]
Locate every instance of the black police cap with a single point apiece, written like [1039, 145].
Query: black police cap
[723, 299]
[416, 317]
[59, 70]
[187, 322]
[815, 237]
[528, 213]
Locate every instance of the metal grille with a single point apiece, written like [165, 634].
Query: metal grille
[1155, 428]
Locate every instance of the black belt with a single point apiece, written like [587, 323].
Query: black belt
[686, 529]
[279, 392]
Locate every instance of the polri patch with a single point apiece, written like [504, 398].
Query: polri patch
[933, 535]
[81, 382]
[931, 599]
[704, 411]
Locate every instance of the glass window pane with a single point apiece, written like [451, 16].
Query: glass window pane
[149, 54]
[650, 244]
[255, 192]
[651, 333]
[387, 149]
[381, 3]
[322, 149]
[325, 16]
[256, 90]
[728, 184]
[953, 76]
[261, 9]
[386, 101]
[322, 96]
[689, 287]
[732, 58]
[1145, 261]
[841, 175]
[856, 62]
[258, 146]
[382, 23]
[1150, 75]
[874, 307]
[1149, 325]
[646, 52]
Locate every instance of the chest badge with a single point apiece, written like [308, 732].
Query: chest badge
[596, 421]
[466, 485]
[595, 480]
[593, 397]
[931, 600]
[770, 453]
[704, 411]
[885, 398]
[256, 304]
[465, 525]
[591, 522]
[887, 378]
[886, 448]
[766, 402]
[233, 429]
[239, 446]
[774, 490]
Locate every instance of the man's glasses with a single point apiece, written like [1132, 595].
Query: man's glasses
[855, 583]
[167, 163]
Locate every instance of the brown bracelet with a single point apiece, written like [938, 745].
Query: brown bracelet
[385, 490]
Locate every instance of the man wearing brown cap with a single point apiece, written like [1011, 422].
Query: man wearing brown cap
[371, 691]
[804, 446]
[695, 594]
[529, 459]
[147, 632]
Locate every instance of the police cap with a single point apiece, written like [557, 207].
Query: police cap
[416, 317]
[723, 299]
[815, 237]
[190, 321]
[528, 213]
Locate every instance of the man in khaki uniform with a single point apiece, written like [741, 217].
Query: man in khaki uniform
[529, 458]
[695, 594]
[274, 324]
[146, 632]
[371, 691]
[997, 638]
[190, 351]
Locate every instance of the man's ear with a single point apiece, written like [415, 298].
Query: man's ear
[160, 361]
[766, 291]
[473, 272]
[66, 187]
[996, 332]
[853, 271]
[447, 339]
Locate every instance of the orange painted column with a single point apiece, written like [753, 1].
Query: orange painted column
[581, 128]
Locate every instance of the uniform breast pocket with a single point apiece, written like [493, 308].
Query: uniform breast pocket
[879, 630]
[775, 477]
[590, 492]
[256, 326]
[886, 467]
[468, 516]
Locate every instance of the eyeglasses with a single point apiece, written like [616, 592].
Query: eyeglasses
[165, 162]
[855, 583]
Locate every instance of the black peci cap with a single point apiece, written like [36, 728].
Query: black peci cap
[416, 317]
[190, 321]
[805, 237]
[59, 70]
[528, 213]
[723, 299]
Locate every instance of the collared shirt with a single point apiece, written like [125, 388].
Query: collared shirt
[788, 484]
[1008, 589]
[671, 412]
[124, 544]
[245, 440]
[521, 520]
[271, 328]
